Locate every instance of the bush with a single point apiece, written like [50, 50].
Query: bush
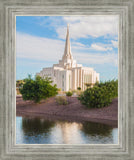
[61, 100]
[100, 95]
[112, 87]
[79, 88]
[69, 93]
[38, 89]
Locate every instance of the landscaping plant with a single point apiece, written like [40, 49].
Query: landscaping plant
[69, 93]
[100, 95]
[61, 100]
[38, 89]
[79, 88]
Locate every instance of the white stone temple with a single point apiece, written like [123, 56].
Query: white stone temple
[67, 74]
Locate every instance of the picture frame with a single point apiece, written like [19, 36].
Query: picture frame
[9, 10]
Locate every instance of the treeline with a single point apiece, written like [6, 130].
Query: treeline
[100, 95]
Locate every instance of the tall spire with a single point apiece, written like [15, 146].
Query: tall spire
[67, 50]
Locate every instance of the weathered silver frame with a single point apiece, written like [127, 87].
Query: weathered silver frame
[9, 9]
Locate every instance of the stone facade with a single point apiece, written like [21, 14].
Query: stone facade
[67, 74]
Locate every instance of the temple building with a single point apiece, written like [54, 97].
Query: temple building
[67, 74]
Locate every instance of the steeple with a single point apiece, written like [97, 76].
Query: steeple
[67, 61]
[67, 50]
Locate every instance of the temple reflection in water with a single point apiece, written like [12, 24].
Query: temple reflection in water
[41, 131]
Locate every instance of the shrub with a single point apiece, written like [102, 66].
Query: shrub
[59, 89]
[95, 97]
[100, 95]
[69, 93]
[61, 100]
[112, 87]
[88, 85]
[79, 88]
[38, 89]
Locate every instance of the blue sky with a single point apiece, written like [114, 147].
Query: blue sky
[40, 42]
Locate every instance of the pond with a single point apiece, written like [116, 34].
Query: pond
[41, 131]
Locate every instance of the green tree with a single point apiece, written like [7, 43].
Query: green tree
[100, 95]
[88, 85]
[38, 89]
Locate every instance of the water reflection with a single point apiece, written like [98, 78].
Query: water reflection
[70, 132]
[41, 131]
[96, 129]
[36, 126]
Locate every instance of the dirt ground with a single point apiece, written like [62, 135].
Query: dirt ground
[74, 111]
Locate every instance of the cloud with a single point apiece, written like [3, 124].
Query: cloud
[100, 48]
[96, 58]
[85, 26]
[93, 47]
[50, 50]
[114, 43]
[78, 44]
[37, 48]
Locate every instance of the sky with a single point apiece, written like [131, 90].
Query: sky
[40, 42]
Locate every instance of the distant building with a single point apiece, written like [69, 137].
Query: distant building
[68, 75]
